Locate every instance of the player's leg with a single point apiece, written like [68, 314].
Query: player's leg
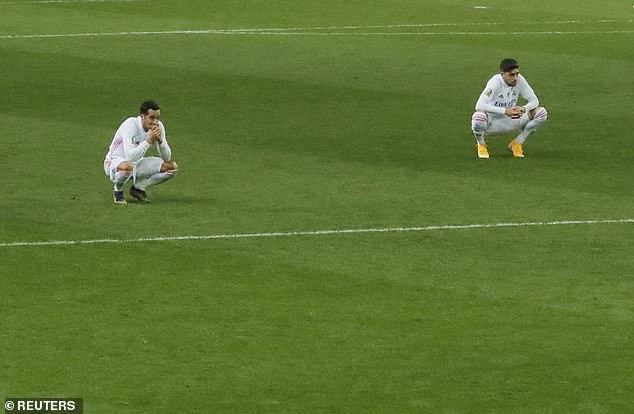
[151, 171]
[536, 119]
[529, 123]
[168, 171]
[479, 125]
[122, 174]
[494, 125]
[119, 172]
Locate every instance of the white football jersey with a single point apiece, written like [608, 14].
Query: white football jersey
[498, 95]
[130, 142]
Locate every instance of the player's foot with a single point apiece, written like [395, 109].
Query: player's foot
[483, 151]
[516, 148]
[139, 195]
[118, 197]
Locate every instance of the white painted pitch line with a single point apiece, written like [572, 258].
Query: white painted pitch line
[259, 33]
[544, 33]
[63, 1]
[414, 25]
[290, 30]
[111, 34]
[314, 233]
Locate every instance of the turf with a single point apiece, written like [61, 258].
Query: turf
[301, 132]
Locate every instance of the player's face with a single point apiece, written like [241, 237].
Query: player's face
[511, 77]
[151, 119]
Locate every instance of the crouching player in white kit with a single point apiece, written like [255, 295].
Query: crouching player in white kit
[497, 111]
[125, 158]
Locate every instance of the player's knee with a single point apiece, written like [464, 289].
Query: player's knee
[169, 167]
[479, 122]
[125, 167]
[540, 114]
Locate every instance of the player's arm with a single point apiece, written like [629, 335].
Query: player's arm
[131, 150]
[527, 93]
[162, 145]
[483, 106]
[484, 101]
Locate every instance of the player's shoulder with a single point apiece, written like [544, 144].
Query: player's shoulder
[522, 83]
[129, 126]
[493, 85]
[496, 81]
[130, 121]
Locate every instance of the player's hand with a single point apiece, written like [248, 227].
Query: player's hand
[154, 134]
[514, 112]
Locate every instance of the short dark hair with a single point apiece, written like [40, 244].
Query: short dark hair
[147, 105]
[508, 64]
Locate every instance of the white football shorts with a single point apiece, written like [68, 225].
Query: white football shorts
[504, 124]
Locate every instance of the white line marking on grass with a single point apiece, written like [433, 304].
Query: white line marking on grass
[426, 33]
[315, 233]
[63, 1]
[414, 25]
[307, 30]
[258, 33]
[106, 34]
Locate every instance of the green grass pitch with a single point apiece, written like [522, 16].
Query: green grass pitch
[355, 116]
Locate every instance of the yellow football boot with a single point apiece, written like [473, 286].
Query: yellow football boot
[516, 148]
[483, 151]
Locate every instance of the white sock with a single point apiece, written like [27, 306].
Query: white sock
[523, 136]
[479, 126]
[120, 178]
